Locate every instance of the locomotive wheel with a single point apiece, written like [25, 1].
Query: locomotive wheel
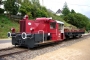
[70, 35]
[15, 45]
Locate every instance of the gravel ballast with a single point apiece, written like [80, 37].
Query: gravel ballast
[77, 51]
[32, 53]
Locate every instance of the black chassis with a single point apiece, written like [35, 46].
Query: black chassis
[29, 42]
[73, 34]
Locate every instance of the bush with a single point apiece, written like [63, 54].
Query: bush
[1, 11]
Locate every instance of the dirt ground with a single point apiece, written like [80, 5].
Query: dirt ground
[77, 51]
[6, 39]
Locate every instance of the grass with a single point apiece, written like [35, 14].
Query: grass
[5, 25]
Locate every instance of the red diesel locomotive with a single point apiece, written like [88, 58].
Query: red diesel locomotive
[41, 31]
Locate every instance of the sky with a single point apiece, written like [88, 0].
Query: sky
[80, 6]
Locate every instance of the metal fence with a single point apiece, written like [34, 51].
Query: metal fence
[16, 17]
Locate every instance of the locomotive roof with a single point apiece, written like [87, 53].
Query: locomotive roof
[60, 22]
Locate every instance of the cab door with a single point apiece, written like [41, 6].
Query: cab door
[61, 29]
[53, 31]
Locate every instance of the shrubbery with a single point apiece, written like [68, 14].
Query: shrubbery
[1, 11]
[77, 19]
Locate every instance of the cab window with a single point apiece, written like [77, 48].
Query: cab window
[60, 26]
[52, 25]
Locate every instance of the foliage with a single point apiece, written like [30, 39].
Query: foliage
[11, 7]
[26, 8]
[19, 1]
[1, 11]
[65, 10]
[41, 13]
[33, 9]
[77, 19]
[35, 2]
[72, 11]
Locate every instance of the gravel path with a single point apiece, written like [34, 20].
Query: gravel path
[32, 53]
[77, 51]
[6, 39]
[6, 45]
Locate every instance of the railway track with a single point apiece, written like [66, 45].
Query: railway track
[85, 36]
[17, 50]
[10, 51]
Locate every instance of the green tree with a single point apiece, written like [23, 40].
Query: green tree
[65, 10]
[36, 12]
[11, 7]
[79, 20]
[26, 8]
[33, 9]
[42, 12]
[72, 11]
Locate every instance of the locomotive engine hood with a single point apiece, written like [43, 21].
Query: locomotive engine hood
[31, 26]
